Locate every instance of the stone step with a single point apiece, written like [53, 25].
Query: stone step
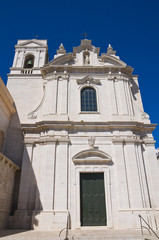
[76, 235]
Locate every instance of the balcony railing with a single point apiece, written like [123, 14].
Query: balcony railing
[27, 71]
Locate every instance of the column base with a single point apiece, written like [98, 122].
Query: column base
[49, 220]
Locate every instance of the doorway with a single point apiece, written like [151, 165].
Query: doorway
[92, 197]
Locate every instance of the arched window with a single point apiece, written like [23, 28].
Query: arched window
[88, 99]
[29, 61]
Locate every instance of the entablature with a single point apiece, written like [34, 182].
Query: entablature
[86, 69]
[72, 125]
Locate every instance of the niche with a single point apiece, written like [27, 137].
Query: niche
[86, 58]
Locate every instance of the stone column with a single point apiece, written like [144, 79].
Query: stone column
[123, 97]
[39, 170]
[21, 217]
[51, 89]
[143, 176]
[49, 175]
[118, 95]
[15, 59]
[114, 107]
[25, 177]
[129, 98]
[152, 170]
[61, 177]
[59, 95]
[64, 94]
[121, 171]
[133, 175]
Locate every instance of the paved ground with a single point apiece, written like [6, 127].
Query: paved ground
[82, 234]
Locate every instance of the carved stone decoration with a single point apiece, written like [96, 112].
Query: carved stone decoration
[145, 116]
[123, 78]
[51, 77]
[91, 142]
[110, 50]
[33, 114]
[92, 156]
[118, 78]
[61, 49]
[66, 76]
[88, 80]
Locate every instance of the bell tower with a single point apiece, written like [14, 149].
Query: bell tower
[30, 56]
[25, 80]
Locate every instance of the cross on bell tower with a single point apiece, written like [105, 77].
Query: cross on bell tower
[85, 34]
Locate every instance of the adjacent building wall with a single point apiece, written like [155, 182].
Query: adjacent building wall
[7, 167]
[7, 176]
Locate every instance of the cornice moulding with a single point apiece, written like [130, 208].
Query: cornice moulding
[7, 100]
[85, 69]
[46, 139]
[8, 162]
[40, 126]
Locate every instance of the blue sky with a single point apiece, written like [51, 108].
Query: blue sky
[131, 27]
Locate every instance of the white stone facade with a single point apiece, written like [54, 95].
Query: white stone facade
[62, 141]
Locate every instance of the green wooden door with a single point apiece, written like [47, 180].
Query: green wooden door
[92, 193]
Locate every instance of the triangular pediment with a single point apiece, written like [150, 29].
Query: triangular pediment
[32, 43]
[91, 156]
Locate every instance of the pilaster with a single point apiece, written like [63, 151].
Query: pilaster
[50, 104]
[134, 182]
[49, 176]
[25, 177]
[21, 218]
[61, 177]
[64, 94]
[113, 97]
[121, 171]
[152, 169]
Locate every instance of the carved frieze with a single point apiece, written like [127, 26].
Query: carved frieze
[88, 80]
[118, 78]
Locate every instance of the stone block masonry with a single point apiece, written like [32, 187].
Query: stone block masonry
[7, 175]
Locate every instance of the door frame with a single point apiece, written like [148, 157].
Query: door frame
[91, 177]
[107, 187]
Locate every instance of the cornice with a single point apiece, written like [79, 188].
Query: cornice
[45, 125]
[48, 139]
[6, 98]
[22, 43]
[8, 162]
[85, 69]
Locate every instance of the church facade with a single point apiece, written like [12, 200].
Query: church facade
[88, 154]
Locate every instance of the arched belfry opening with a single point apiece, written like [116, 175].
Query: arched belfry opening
[29, 61]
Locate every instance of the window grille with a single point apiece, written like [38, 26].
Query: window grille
[88, 99]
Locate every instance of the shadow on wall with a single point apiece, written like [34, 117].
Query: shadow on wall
[25, 197]
[28, 203]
